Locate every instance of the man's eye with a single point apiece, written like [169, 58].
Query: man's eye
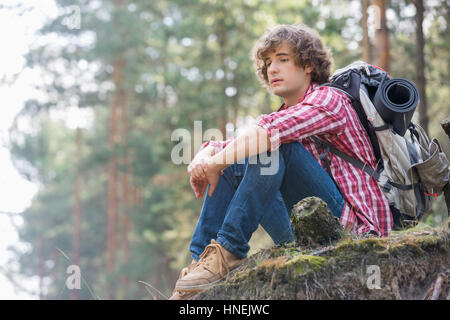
[268, 64]
[284, 60]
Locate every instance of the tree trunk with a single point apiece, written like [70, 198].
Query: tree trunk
[222, 39]
[113, 140]
[77, 207]
[164, 70]
[446, 126]
[267, 103]
[54, 273]
[126, 192]
[421, 82]
[235, 102]
[314, 224]
[366, 48]
[40, 248]
[381, 36]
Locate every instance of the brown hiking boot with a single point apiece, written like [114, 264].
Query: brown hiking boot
[215, 264]
[184, 295]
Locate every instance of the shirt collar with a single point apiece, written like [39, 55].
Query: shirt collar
[311, 87]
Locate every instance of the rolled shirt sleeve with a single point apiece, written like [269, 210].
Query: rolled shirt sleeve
[320, 112]
[218, 145]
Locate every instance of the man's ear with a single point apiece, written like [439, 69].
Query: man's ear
[308, 68]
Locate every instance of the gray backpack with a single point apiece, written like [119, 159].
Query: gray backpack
[411, 168]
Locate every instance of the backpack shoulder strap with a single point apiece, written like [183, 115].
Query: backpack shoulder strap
[357, 163]
[325, 145]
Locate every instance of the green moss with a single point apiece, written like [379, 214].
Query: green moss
[240, 276]
[353, 247]
[304, 263]
[419, 228]
[430, 241]
[284, 251]
[417, 244]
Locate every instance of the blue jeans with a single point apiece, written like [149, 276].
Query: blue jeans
[245, 198]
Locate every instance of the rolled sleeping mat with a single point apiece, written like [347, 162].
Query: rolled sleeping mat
[395, 100]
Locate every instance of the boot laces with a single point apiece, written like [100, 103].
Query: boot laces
[213, 252]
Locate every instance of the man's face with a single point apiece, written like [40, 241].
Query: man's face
[286, 79]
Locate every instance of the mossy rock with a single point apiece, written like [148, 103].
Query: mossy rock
[314, 224]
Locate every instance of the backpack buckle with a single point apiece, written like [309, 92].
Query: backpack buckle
[387, 187]
[324, 153]
[367, 70]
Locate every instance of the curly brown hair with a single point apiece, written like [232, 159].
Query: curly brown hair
[305, 43]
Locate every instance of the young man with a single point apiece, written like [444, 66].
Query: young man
[292, 62]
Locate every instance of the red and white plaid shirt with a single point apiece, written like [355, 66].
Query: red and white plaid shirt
[328, 114]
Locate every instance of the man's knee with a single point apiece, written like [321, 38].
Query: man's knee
[264, 164]
[234, 173]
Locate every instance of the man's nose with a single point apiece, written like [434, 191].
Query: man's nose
[273, 68]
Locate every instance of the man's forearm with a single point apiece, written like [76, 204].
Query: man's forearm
[208, 150]
[252, 141]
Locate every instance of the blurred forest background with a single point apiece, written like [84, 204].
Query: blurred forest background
[129, 73]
